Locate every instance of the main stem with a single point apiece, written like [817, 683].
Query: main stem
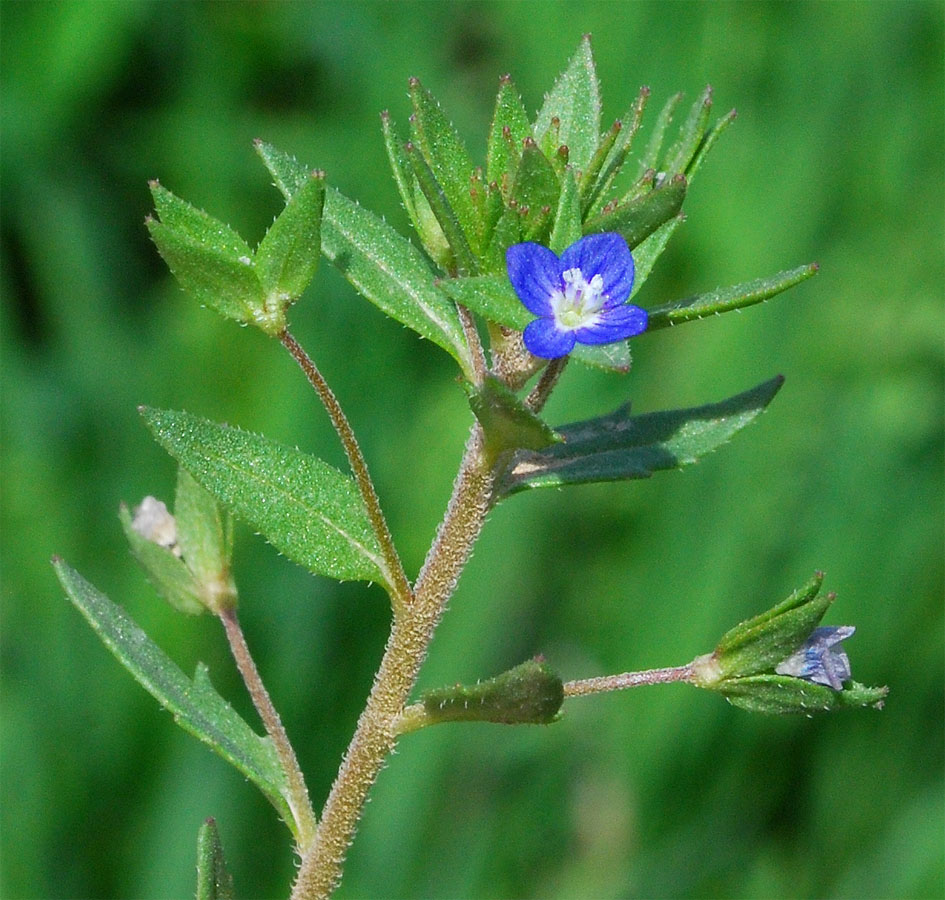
[401, 594]
[299, 804]
[376, 733]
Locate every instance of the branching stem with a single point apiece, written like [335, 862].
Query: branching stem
[299, 803]
[399, 587]
[376, 733]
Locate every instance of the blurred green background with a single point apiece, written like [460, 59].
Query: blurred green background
[836, 156]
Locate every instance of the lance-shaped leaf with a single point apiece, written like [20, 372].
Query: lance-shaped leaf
[725, 299]
[443, 211]
[639, 218]
[214, 881]
[287, 257]
[620, 446]
[194, 703]
[437, 140]
[210, 261]
[575, 102]
[506, 422]
[652, 153]
[681, 153]
[308, 510]
[708, 142]
[509, 128]
[535, 190]
[403, 177]
[567, 225]
[382, 264]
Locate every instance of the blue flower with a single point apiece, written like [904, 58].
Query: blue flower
[579, 297]
[816, 661]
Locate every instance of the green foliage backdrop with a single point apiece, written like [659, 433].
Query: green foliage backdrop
[836, 156]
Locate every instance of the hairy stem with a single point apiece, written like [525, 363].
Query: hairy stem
[606, 683]
[298, 800]
[376, 733]
[401, 595]
[539, 395]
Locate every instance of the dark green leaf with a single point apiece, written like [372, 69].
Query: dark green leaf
[308, 510]
[575, 102]
[529, 694]
[684, 149]
[382, 264]
[390, 272]
[620, 446]
[760, 643]
[195, 705]
[651, 155]
[639, 218]
[214, 881]
[610, 357]
[182, 217]
[508, 231]
[444, 152]
[536, 188]
[725, 299]
[782, 694]
[403, 177]
[567, 225]
[220, 281]
[465, 262]
[591, 174]
[506, 422]
[504, 146]
[708, 142]
[492, 296]
[287, 257]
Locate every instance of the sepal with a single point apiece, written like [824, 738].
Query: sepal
[214, 881]
[506, 422]
[529, 694]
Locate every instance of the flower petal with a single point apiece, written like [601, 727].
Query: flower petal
[615, 324]
[535, 273]
[606, 255]
[542, 338]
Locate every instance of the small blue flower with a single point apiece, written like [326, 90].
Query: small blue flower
[816, 661]
[579, 297]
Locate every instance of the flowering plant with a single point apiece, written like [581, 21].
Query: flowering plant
[527, 262]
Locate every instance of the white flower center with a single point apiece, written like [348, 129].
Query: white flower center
[579, 303]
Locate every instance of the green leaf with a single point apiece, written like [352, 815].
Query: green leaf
[287, 257]
[165, 570]
[390, 272]
[708, 142]
[445, 153]
[195, 705]
[508, 231]
[456, 237]
[214, 881]
[382, 264]
[609, 357]
[504, 145]
[620, 446]
[647, 252]
[180, 216]
[535, 190]
[620, 150]
[760, 643]
[651, 155]
[575, 102]
[639, 218]
[591, 174]
[506, 422]
[684, 149]
[308, 510]
[221, 282]
[567, 225]
[782, 694]
[204, 539]
[725, 299]
[403, 177]
[492, 296]
[529, 694]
